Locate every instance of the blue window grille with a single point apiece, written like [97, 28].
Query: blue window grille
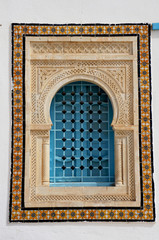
[81, 137]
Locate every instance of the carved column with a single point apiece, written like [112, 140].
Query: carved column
[118, 162]
[45, 161]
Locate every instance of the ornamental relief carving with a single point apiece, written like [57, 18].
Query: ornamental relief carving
[43, 76]
[118, 78]
[82, 48]
[45, 73]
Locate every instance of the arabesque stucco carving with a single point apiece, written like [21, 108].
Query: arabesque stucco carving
[111, 63]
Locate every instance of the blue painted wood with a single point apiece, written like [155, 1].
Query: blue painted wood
[66, 164]
[155, 26]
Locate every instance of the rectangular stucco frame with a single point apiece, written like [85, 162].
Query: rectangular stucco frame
[117, 58]
[110, 61]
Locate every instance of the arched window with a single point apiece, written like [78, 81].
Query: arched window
[81, 137]
[75, 144]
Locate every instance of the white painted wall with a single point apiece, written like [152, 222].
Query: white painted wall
[71, 11]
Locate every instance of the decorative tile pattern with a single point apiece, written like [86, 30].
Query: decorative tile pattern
[17, 211]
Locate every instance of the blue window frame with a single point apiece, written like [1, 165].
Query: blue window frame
[81, 137]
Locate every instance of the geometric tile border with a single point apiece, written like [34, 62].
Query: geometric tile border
[17, 211]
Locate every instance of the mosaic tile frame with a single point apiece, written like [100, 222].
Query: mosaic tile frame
[17, 211]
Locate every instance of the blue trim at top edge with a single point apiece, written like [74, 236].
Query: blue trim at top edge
[155, 26]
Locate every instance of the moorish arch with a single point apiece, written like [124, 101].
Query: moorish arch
[116, 102]
[53, 86]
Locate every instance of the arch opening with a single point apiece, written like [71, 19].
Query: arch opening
[81, 136]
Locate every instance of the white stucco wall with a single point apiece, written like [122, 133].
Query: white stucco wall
[72, 11]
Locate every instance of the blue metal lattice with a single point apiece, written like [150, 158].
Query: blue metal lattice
[81, 138]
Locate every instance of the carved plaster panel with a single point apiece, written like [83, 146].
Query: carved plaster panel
[111, 63]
